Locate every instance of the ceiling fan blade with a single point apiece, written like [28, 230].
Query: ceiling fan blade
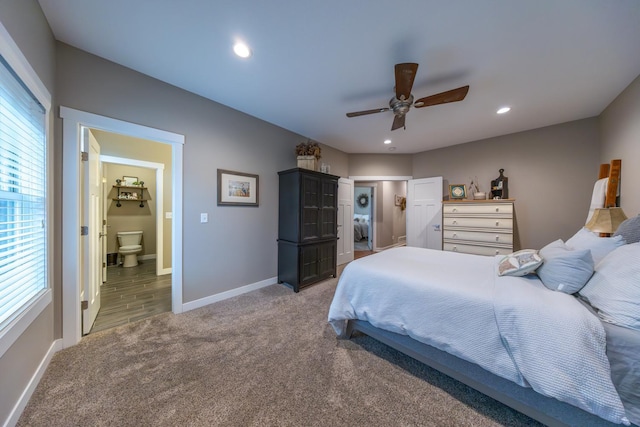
[398, 122]
[452, 95]
[363, 113]
[405, 74]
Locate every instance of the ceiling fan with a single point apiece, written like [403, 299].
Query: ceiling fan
[403, 100]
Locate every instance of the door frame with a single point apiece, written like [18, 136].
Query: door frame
[374, 178]
[158, 200]
[72, 123]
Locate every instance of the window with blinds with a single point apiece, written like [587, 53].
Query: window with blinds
[23, 206]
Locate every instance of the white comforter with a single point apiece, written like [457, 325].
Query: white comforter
[514, 327]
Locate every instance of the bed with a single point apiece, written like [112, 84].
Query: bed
[360, 227]
[557, 337]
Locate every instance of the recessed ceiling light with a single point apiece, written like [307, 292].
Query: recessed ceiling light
[503, 110]
[242, 50]
[387, 141]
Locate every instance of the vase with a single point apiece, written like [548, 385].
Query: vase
[308, 162]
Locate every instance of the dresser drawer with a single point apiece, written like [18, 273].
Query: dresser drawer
[478, 236]
[488, 223]
[464, 209]
[476, 250]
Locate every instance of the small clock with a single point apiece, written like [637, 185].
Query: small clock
[457, 191]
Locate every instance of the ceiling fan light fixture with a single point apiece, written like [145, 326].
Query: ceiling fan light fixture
[503, 110]
[242, 50]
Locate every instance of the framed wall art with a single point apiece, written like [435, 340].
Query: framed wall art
[128, 181]
[458, 191]
[237, 188]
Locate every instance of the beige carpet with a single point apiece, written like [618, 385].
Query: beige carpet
[266, 358]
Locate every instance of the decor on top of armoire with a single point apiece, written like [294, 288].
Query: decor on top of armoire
[307, 227]
[500, 187]
[308, 155]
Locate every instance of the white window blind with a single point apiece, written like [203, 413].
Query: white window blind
[23, 176]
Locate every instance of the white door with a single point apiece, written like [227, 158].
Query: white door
[345, 221]
[92, 245]
[424, 213]
[103, 225]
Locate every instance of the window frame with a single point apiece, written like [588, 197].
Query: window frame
[29, 312]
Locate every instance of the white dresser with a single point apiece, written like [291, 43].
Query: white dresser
[482, 227]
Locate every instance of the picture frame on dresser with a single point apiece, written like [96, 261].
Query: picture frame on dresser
[457, 191]
[237, 188]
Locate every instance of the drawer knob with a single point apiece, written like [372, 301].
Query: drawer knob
[497, 238]
[455, 249]
[455, 222]
[497, 223]
[497, 209]
[455, 235]
[497, 252]
[455, 209]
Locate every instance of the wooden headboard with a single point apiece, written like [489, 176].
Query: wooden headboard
[611, 171]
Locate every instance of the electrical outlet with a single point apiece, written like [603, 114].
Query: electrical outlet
[204, 217]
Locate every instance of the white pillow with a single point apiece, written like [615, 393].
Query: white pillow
[599, 246]
[614, 289]
[565, 269]
[519, 263]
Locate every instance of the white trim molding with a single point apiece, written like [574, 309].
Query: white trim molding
[159, 203]
[14, 416]
[192, 305]
[19, 64]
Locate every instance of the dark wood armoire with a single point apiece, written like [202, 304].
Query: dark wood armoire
[307, 227]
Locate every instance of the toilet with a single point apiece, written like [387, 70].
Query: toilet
[130, 247]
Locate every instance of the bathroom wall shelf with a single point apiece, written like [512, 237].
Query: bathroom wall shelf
[123, 190]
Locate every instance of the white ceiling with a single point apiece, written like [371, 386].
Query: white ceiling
[552, 61]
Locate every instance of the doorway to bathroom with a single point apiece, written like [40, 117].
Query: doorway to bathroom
[136, 237]
[75, 204]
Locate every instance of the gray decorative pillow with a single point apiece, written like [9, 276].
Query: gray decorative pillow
[564, 269]
[519, 263]
[629, 230]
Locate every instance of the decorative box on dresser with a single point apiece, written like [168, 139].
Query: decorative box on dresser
[307, 227]
[481, 227]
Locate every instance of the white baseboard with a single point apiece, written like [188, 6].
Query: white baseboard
[192, 305]
[148, 256]
[14, 416]
[402, 240]
[165, 271]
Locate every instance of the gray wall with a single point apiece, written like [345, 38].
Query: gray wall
[620, 126]
[380, 164]
[238, 245]
[25, 22]
[551, 174]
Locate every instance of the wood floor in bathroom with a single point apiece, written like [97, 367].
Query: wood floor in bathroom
[132, 294]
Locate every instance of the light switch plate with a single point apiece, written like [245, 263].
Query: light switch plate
[204, 217]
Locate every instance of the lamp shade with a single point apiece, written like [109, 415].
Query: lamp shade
[606, 220]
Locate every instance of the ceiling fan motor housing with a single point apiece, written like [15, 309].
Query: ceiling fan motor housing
[400, 106]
